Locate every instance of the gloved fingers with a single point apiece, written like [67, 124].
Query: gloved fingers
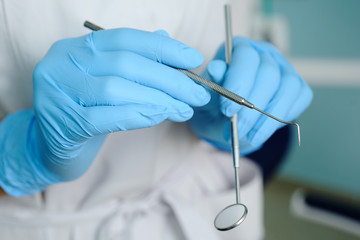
[265, 86]
[149, 73]
[240, 76]
[302, 102]
[289, 91]
[306, 95]
[216, 70]
[290, 100]
[148, 44]
[116, 91]
[268, 47]
[108, 119]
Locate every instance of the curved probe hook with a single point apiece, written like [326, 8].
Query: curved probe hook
[285, 122]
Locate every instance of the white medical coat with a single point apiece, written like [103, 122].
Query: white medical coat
[155, 183]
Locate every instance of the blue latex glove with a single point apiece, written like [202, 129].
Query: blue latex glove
[260, 74]
[87, 87]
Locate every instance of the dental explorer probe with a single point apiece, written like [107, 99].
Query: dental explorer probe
[216, 88]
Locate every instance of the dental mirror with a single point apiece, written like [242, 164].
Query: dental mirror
[230, 217]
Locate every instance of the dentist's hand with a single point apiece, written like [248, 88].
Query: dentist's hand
[87, 87]
[260, 74]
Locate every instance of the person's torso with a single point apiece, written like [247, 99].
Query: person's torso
[132, 162]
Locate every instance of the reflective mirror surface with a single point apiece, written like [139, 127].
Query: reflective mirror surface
[230, 217]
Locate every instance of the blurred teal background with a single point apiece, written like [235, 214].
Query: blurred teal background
[321, 28]
[330, 153]
[329, 156]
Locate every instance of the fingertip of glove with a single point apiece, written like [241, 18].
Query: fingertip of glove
[192, 57]
[162, 32]
[181, 116]
[230, 109]
[216, 70]
[187, 114]
[203, 97]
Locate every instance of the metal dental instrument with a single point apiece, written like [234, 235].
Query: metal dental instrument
[233, 215]
[215, 87]
[234, 119]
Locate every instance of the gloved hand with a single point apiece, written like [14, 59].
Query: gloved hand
[260, 74]
[87, 87]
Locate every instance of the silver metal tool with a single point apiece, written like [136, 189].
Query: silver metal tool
[231, 216]
[216, 88]
[234, 119]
